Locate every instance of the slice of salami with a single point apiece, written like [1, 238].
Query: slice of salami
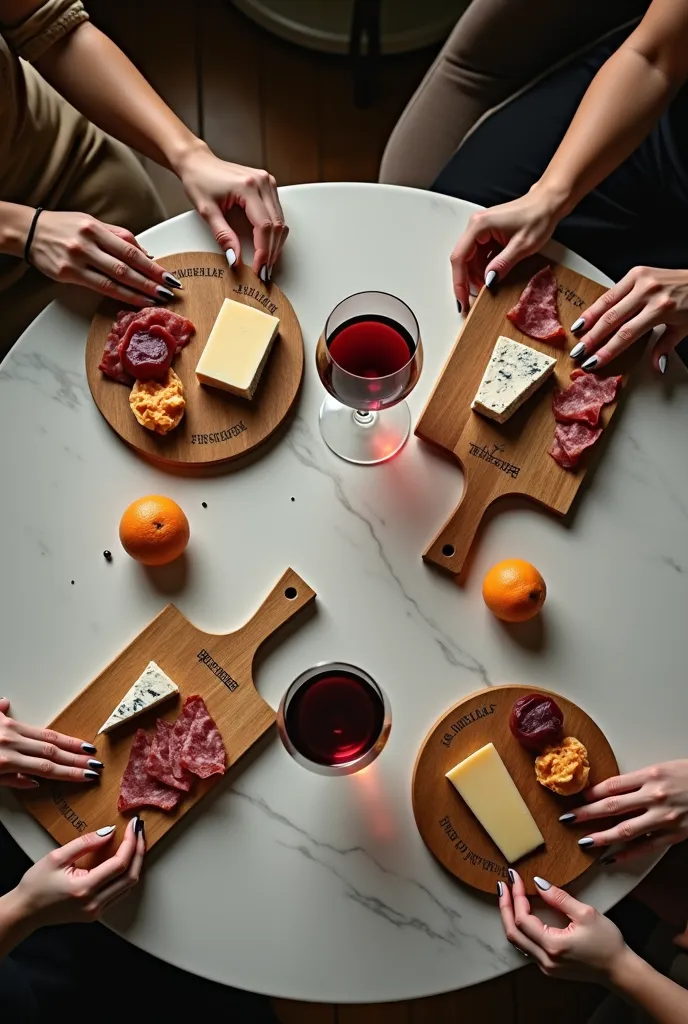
[181, 329]
[583, 400]
[138, 788]
[570, 441]
[203, 751]
[536, 313]
[111, 364]
[147, 352]
[163, 759]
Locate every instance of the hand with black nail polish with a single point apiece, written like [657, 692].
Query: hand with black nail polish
[28, 754]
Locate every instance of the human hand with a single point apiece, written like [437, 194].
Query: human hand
[75, 248]
[26, 750]
[517, 229]
[56, 891]
[657, 797]
[590, 948]
[214, 186]
[645, 298]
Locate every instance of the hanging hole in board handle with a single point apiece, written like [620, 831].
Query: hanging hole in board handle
[290, 593]
[448, 550]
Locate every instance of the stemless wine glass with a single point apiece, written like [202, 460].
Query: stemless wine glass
[369, 358]
[334, 719]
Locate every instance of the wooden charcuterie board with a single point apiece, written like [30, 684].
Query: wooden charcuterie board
[217, 427]
[218, 667]
[512, 458]
[450, 830]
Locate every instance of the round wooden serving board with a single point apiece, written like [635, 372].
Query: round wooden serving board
[217, 427]
[450, 830]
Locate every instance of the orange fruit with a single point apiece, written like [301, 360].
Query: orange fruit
[514, 590]
[154, 530]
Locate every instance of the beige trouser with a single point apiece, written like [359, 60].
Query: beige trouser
[113, 187]
[497, 48]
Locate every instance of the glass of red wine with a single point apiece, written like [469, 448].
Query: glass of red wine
[369, 358]
[334, 719]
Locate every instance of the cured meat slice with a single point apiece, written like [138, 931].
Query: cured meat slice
[138, 788]
[146, 352]
[570, 441]
[583, 400]
[111, 364]
[181, 329]
[163, 759]
[203, 751]
[536, 313]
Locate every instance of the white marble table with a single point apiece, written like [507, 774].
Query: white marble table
[290, 883]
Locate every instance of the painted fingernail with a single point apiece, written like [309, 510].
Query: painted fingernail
[577, 324]
[90, 776]
[140, 828]
[542, 883]
[171, 280]
[88, 748]
[490, 278]
[92, 763]
[106, 831]
[164, 293]
[577, 350]
[34, 782]
[590, 363]
[458, 306]
[231, 257]
[586, 842]
[662, 363]
[607, 860]
[500, 889]
[263, 273]
[512, 876]
[569, 816]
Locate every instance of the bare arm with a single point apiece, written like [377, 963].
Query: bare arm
[662, 998]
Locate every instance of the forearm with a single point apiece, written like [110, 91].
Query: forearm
[15, 221]
[623, 102]
[662, 998]
[14, 924]
[90, 71]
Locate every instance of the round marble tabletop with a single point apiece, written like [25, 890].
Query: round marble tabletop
[287, 882]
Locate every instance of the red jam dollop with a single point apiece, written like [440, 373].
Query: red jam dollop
[537, 721]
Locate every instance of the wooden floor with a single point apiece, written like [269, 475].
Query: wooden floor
[259, 101]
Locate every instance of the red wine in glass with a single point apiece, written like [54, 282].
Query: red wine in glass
[333, 718]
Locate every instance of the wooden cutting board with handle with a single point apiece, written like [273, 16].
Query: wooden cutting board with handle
[218, 667]
[509, 458]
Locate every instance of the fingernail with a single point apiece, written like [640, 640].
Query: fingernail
[590, 363]
[140, 828]
[577, 324]
[88, 748]
[662, 363]
[458, 306]
[92, 763]
[90, 776]
[106, 831]
[500, 889]
[34, 782]
[586, 842]
[542, 883]
[577, 350]
[569, 816]
[135, 824]
[490, 278]
[512, 875]
[607, 860]
[263, 274]
[164, 293]
[172, 280]
[231, 257]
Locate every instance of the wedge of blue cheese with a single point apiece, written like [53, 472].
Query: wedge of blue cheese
[514, 372]
[150, 689]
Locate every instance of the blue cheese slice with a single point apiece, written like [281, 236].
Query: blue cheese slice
[513, 373]
[150, 689]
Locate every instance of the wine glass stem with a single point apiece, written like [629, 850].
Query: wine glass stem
[364, 418]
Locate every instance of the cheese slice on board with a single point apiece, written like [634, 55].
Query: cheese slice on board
[237, 349]
[150, 689]
[486, 786]
[513, 373]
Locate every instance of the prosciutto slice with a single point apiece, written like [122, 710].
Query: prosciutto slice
[536, 312]
[202, 749]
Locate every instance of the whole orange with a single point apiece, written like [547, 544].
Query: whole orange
[154, 530]
[514, 590]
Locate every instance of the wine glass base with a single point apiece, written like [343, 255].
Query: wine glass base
[365, 438]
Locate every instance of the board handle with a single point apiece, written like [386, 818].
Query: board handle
[288, 597]
[449, 550]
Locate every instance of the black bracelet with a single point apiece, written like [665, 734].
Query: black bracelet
[32, 232]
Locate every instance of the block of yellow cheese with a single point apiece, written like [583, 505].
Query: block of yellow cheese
[486, 786]
[237, 349]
